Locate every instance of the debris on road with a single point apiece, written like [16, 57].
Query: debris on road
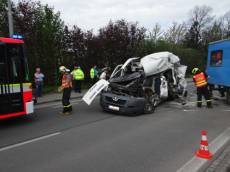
[94, 91]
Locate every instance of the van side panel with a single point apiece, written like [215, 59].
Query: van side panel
[219, 75]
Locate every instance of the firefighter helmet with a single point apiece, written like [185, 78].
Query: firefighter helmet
[195, 70]
[62, 68]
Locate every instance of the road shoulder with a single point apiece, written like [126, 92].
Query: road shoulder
[216, 147]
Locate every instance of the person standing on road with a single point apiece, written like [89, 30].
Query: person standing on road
[105, 74]
[66, 87]
[78, 77]
[200, 80]
[38, 80]
[94, 74]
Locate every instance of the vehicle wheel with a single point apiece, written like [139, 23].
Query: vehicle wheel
[172, 93]
[228, 95]
[149, 108]
[150, 105]
[171, 96]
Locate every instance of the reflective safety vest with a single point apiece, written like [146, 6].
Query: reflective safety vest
[66, 81]
[78, 74]
[92, 73]
[200, 80]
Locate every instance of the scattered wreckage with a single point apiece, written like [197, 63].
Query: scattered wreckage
[140, 84]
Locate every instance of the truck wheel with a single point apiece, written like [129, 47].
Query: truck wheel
[228, 95]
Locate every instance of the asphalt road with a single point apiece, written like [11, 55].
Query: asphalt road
[91, 140]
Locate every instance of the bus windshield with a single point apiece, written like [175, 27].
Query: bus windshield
[13, 65]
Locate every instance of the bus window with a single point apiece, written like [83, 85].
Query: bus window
[26, 71]
[15, 66]
[26, 67]
[216, 58]
[14, 59]
[2, 54]
[2, 63]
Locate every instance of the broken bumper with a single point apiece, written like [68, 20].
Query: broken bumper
[122, 104]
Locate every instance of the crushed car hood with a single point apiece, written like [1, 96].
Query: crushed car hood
[126, 78]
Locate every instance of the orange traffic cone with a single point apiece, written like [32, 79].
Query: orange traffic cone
[203, 152]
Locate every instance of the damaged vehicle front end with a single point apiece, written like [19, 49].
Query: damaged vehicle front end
[125, 92]
[140, 84]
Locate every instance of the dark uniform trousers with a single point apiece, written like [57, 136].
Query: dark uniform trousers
[77, 86]
[67, 107]
[203, 91]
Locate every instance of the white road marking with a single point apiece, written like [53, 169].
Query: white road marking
[227, 110]
[196, 164]
[189, 110]
[28, 141]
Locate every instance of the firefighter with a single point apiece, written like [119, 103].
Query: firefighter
[78, 77]
[200, 80]
[66, 87]
[94, 74]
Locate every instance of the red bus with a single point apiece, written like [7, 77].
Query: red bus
[15, 89]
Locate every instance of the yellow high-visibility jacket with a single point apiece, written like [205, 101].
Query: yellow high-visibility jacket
[92, 73]
[78, 74]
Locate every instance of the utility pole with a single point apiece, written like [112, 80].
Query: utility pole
[10, 19]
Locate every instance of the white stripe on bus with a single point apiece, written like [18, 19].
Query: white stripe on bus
[14, 88]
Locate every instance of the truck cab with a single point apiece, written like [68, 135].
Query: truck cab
[218, 66]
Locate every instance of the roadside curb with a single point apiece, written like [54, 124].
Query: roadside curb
[216, 155]
[56, 100]
[222, 162]
[217, 146]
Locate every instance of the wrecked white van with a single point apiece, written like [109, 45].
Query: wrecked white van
[140, 84]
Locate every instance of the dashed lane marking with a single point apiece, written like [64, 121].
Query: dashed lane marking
[28, 141]
[190, 110]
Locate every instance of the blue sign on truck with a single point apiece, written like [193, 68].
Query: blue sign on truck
[218, 66]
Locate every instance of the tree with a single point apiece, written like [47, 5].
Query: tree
[50, 43]
[200, 17]
[213, 33]
[42, 29]
[176, 33]
[120, 40]
[156, 33]
[3, 18]
[226, 24]
[78, 43]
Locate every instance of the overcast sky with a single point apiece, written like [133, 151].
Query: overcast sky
[93, 14]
